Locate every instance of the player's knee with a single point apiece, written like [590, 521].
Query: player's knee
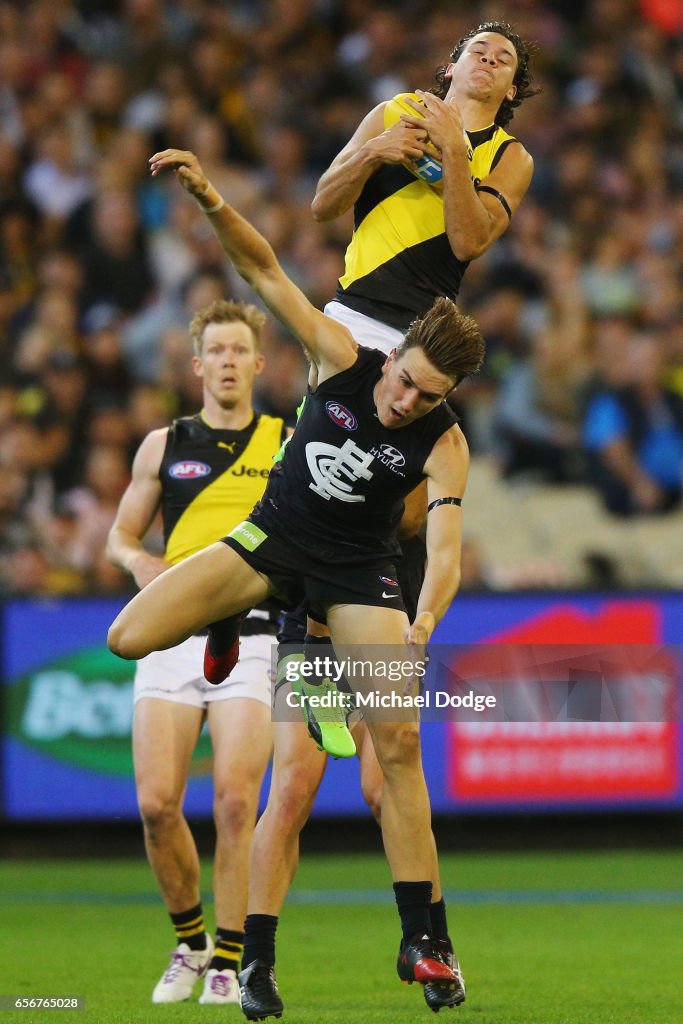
[124, 640]
[158, 810]
[398, 747]
[233, 812]
[293, 800]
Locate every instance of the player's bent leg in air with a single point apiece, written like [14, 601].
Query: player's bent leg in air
[406, 814]
[298, 769]
[214, 584]
[241, 739]
[164, 735]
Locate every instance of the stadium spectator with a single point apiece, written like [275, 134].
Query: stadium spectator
[537, 409]
[115, 254]
[634, 437]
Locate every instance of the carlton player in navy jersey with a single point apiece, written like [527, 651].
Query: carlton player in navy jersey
[309, 539]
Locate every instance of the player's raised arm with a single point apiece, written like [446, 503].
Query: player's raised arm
[446, 470]
[328, 344]
[136, 511]
[369, 147]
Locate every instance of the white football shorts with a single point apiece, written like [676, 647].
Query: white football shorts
[365, 330]
[177, 674]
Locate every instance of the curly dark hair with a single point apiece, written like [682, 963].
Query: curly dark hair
[523, 77]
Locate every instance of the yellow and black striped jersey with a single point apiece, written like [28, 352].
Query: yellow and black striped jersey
[399, 259]
[212, 478]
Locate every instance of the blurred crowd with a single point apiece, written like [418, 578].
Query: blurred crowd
[102, 267]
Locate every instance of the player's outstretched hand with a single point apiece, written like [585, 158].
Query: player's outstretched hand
[187, 169]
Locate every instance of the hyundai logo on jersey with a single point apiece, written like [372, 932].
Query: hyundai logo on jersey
[189, 470]
[340, 415]
[392, 455]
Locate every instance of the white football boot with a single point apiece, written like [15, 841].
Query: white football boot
[186, 967]
[220, 987]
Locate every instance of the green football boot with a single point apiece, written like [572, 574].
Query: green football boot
[326, 714]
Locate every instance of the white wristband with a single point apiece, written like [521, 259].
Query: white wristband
[214, 209]
[211, 209]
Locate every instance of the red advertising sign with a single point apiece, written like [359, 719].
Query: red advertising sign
[514, 761]
[501, 761]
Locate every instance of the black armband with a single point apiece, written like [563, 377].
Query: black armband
[444, 501]
[499, 196]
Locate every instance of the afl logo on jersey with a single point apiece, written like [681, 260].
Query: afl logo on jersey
[188, 470]
[340, 415]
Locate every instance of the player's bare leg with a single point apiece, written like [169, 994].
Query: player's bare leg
[213, 584]
[298, 768]
[371, 778]
[406, 813]
[242, 742]
[164, 735]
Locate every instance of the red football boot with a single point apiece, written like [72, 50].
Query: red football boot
[217, 668]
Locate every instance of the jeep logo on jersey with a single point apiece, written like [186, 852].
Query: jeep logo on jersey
[335, 470]
[391, 455]
[340, 415]
[188, 470]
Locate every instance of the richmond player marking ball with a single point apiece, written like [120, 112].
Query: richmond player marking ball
[427, 167]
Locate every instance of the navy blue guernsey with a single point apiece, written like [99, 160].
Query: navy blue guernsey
[340, 488]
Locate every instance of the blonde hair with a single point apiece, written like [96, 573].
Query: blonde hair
[226, 311]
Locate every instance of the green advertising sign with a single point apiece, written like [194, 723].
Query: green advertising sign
[79, 709]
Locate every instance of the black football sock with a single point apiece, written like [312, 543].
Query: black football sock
[222, 634]
[314, 647]
[437, 915]
[413, 900]
[189, 927]
[259, 939]
[228, 950]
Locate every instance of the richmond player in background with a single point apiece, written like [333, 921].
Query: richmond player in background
[205, 472]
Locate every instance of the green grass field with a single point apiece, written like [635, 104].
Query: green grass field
[543, 939]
